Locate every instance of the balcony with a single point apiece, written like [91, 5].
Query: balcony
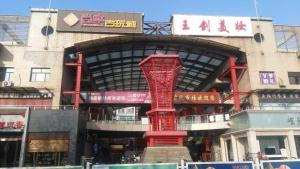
[117, 125]
[190, 123]
[204, 122]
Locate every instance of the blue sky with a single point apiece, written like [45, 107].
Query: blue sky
[282, 11]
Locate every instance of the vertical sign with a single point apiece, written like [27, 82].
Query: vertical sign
[267, 77]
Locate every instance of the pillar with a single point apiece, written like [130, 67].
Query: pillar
[223, 149]
[234, 148]
[292, 145]
[78, 80]
[234, 83]
[253, 146]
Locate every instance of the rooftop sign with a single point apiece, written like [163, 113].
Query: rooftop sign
[99, 22]
[212, 26]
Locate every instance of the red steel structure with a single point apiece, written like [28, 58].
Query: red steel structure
[161, 72]
[235, 91]
[78, 65]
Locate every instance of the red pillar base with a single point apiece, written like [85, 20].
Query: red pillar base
[165, 138]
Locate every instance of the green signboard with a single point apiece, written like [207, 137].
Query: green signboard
[138, 166]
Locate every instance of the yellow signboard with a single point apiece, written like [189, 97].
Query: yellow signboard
[48, 146]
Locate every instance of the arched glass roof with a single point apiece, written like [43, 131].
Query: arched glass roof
[113, 61]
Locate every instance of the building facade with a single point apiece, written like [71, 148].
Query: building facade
[238, 96]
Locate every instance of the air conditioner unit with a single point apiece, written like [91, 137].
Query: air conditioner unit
[281, 83]
[7, 84]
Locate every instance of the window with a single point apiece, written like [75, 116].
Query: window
[286, 41]
[297, 141]
[40, 74]
[6, 73]
[271, 145]
[294, 77]
[267, 77]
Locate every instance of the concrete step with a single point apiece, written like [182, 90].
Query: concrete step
[165, 154]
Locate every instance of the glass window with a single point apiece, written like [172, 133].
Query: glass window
[229, 150]
[294, 77]
[267, 77]
[215, 62]
[193, 56]
[6, 73]
[40, 74]
[103, 57]
[271, 145]
[115, 55]
[91, 59]
[286, 41]
[204, 59]
[297, 141]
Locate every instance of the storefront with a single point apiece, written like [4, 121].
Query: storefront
[45, 151]
[13, 132]
[52, 138]
[279, 100]
[262, 134]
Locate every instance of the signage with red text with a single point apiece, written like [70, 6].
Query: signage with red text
[137, 97]
[11, 121]
[212, 26]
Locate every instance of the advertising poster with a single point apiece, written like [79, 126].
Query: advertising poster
[280, 164]
[220, 165]
[138, 166]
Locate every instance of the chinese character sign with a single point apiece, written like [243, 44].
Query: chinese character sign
[99, 22]
[139, 97]
[10, 122]
[212, 26]
[267, 78]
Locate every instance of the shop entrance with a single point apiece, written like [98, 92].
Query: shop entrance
[46, 159]
[10, 152]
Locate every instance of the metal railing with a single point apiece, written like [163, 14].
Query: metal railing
[117, 121]
[192, 119]
[207, 118]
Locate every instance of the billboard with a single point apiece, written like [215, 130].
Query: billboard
[211, 26]
[140, 97]
[137, 166]
[220, 165]
[99, 22]
[280, 164]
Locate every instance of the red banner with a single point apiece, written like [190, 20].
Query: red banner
[136, 97]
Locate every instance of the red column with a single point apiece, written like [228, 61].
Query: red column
[234, 83]
[78, 80]
[78, 66]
